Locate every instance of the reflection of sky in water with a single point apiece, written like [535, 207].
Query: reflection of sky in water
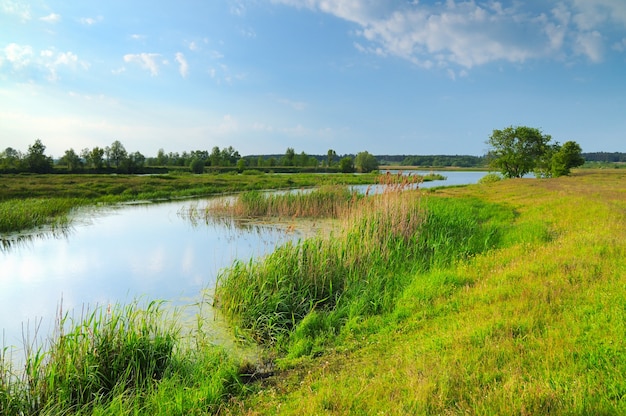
[118, 255]
[143, 251]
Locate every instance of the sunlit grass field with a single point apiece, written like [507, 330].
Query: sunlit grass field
[535, 326]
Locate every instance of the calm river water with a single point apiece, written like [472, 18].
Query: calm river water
[129, 252]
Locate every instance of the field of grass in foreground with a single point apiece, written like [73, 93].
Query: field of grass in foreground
[536, 326]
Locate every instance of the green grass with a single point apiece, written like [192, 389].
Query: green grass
[356, 272]
[21, 214]
[498, 298]
[534, 324]
[119, 360]
[28, 201]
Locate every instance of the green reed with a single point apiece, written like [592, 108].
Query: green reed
[328, 201]
[108, 351]
[20, 214]
[354, 271]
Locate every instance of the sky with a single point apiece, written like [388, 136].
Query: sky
[383, 76]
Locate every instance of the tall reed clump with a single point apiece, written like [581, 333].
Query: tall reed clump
[324, 202]
[110, 351]
[355, 271]
[21, 214]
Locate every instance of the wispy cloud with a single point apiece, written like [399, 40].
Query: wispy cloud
[183, 66]
[620, 45]
[237, 8]
[467, 33]
[19, 56]
[89, 21]
[51, 18]
[296, 105]
[26, 61]
[16, 8]
[145, 60]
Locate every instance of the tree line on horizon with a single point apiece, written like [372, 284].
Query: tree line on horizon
[506, 145]
[116, 159]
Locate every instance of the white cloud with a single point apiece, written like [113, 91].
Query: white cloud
[468, 33]
[89, 21]
[16, 8]
[145, 60]
[183, 67]
[238, 8]
[47, 61]
[51, 18]
[54, 61]
[18, 55]
[592, 13]
[590, 45]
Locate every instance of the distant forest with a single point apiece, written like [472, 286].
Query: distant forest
[613, 157]
[116, 159]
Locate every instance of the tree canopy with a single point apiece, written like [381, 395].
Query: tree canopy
[516, 151]
[365, 162]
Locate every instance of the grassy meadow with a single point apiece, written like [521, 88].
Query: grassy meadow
[530, 322]
[506, 297]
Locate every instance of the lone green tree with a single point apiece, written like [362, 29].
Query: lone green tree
[515, 151]
[116, 153]
[36, 160]
[364, 162]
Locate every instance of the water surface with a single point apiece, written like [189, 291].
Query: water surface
[120, 254]
[116, 255]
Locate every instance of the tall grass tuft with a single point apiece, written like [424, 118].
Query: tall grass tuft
[108, 352]
[21, 214]
[328, 201]
[356, 271]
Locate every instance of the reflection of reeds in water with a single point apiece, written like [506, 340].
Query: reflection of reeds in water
[13, 241]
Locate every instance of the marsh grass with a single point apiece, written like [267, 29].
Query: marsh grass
[357, 271]
[20, 214]
[535, 325]
[28, 201]
[120, 360]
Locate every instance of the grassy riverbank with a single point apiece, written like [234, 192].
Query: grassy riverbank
[500, 298]
[28, 201]
[535, 325]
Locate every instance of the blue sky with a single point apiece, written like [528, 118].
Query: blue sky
[386, 76]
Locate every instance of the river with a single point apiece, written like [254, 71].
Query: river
[128, 252]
